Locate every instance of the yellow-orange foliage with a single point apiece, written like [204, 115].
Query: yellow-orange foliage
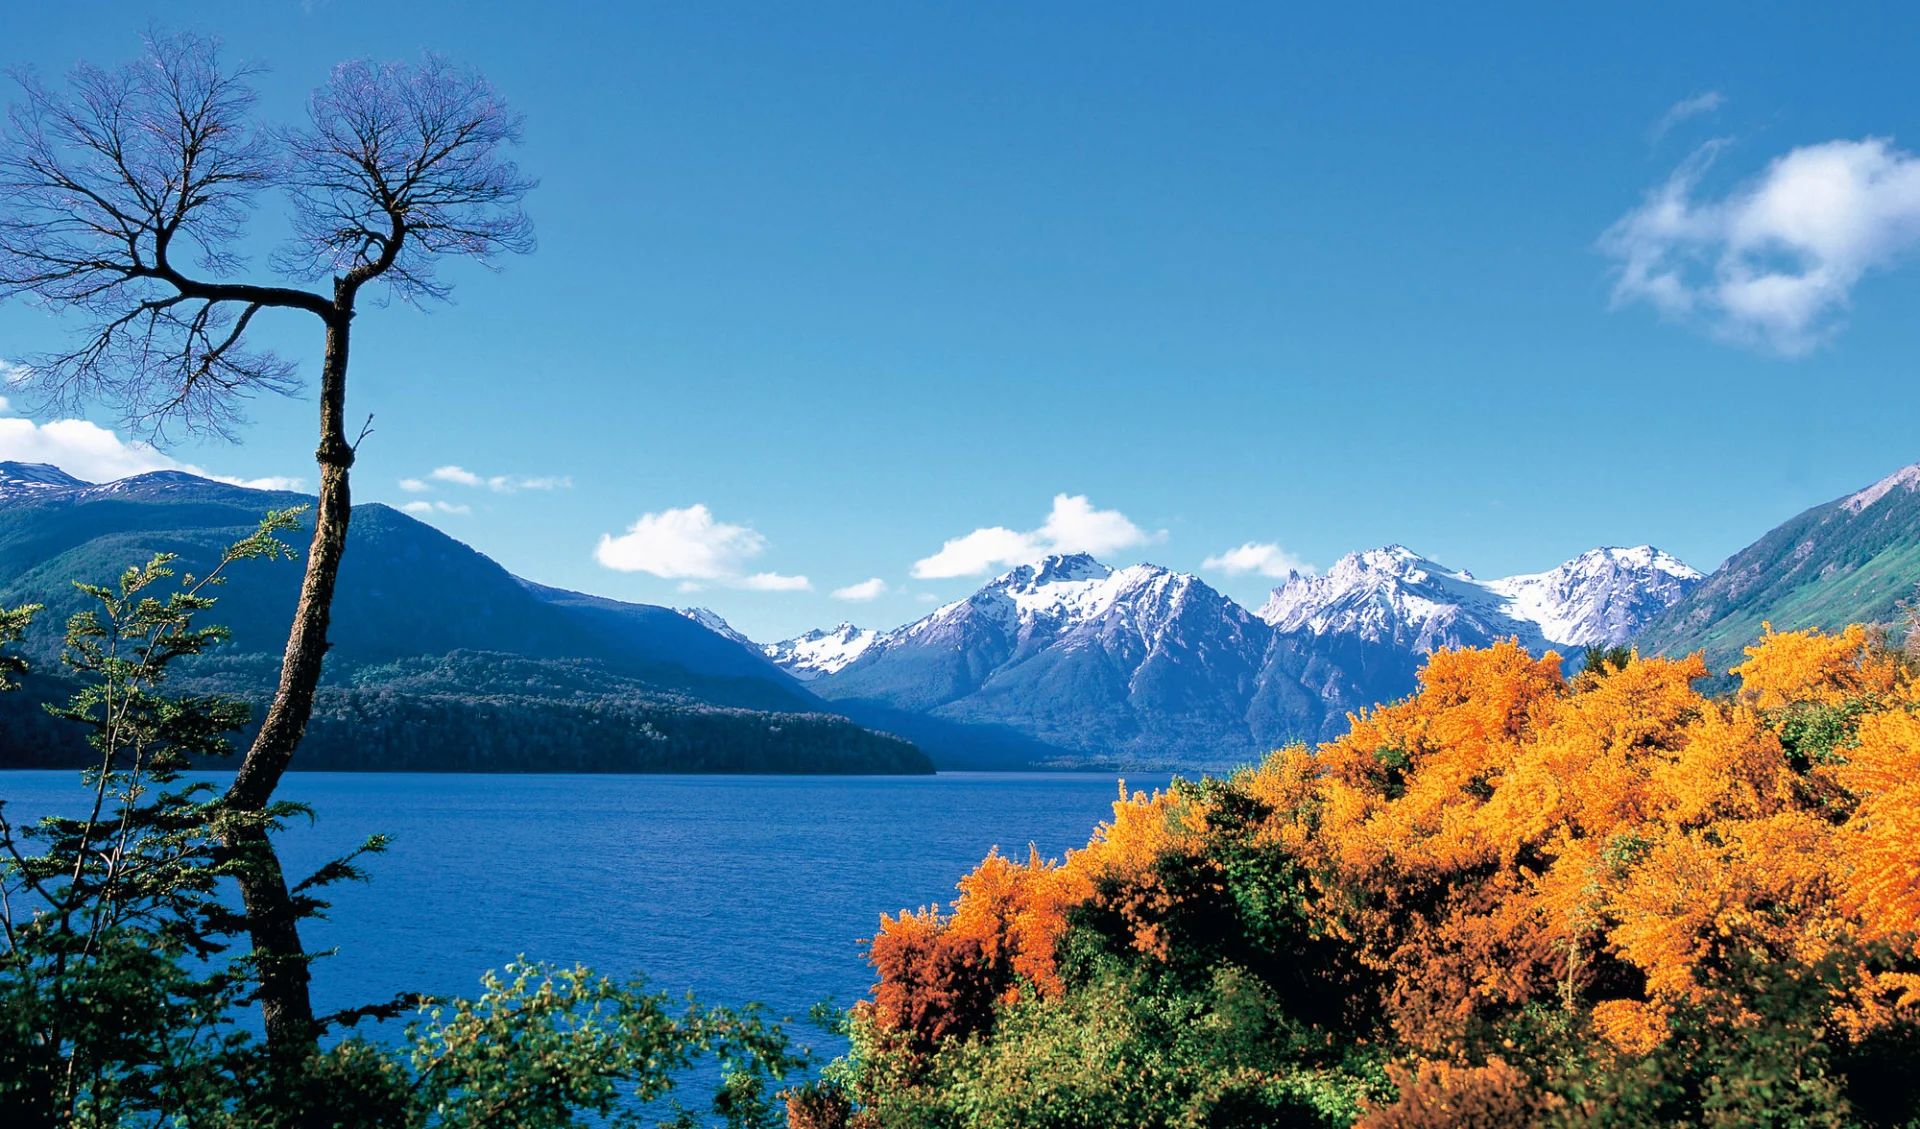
[1813, 666]
[1620, 845]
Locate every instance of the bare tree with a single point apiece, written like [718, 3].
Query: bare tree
[124, 203]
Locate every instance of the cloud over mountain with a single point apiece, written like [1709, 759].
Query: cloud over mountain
[1265, 558]
[865, 590]
[1072, 526]
[692, 546]
[86, 450]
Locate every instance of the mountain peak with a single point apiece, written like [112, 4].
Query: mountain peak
[821, 651]
[1906, 478]
[1602, 596]
[18, 479]
[1055, 568]
[712, 621]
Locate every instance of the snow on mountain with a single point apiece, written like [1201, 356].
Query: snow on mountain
[1394, 595]
[1602, 597]
[712, 621]
[19, 480]
[43, 482]
[1058, 592]
[820, 651]
[1156, 667]
[1060, 599]
[1081, 656]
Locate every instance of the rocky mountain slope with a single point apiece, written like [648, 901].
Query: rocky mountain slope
[1851, 560]
[1601, 597]
[819, 651]
[1144, 665]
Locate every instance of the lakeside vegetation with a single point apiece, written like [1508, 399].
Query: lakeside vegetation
[1513, 899]
[125, 988]
[1510, 900]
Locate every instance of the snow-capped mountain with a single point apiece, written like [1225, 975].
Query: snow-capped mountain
[43, 482]
[1603, 597]
[1150, 666]
[1398, 597]
[712, 621]
[1394, 595]
[1087, 658]
[820, 651]
[21, 480]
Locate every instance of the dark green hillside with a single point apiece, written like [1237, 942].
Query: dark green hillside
[473, 711]
[405, 589]
[1849, 561]
[441, 659]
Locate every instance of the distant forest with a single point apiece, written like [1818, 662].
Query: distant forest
[482, 712]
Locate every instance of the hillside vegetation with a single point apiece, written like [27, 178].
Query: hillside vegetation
[441, 660]
[1852, 560]
[1508, 900]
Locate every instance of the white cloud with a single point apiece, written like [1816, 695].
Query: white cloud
[978, 552]
[1686, 108]
[456, 475]
[80, 447]
[681, 544]
[863, 591]
[691, 546]
[270, 482]
[1265, 558]
[423, 508]
[1073, 526]
[774, 582]
[1774, 262]
[5, 408]
[88, 451]
[498, 483]
[13, 375]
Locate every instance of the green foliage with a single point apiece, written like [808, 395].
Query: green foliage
[13, 625]
[1598, 662]
[1124, 1048]
[1815, 733]
[440, 660]
[1826, 568]
[123, 985]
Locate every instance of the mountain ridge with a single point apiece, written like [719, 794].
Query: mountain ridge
[670, 696]
[1850, 560]
[1144, 661]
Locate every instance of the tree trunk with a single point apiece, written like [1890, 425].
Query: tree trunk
[285, 1003]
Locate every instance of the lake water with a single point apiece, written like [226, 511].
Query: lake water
[738, 888]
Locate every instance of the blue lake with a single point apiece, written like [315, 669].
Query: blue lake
[738, 888]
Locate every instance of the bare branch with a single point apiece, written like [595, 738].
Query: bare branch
[110, 193]
[403, 167]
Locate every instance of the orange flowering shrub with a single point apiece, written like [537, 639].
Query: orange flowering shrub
[1620, 859]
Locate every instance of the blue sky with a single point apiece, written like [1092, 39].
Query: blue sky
[861, 280]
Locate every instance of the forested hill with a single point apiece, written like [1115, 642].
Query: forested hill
[441, 659]
[1852, 560]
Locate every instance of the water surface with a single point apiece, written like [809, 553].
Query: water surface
[738, 888]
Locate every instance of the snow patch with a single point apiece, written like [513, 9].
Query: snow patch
[820, 651]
